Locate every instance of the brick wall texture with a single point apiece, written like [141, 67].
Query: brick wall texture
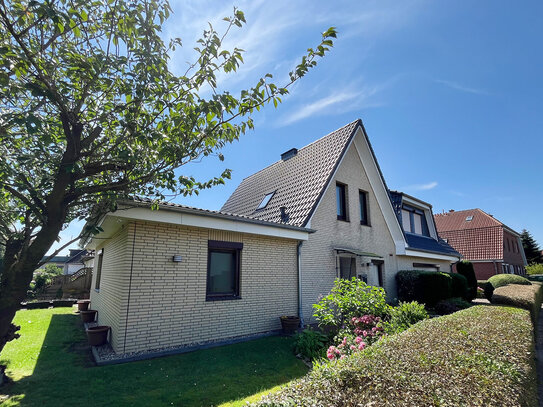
[167, 305]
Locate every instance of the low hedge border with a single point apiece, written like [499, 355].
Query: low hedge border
[500, 280]
[481, 356]
[523, 296]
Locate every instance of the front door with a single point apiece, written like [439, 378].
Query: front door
[347, 267]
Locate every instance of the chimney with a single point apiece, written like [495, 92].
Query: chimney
[451, 210]
[289, 154]
[284, 214]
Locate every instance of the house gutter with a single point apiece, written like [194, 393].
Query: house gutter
[300, 307]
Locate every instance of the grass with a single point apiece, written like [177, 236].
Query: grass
[481, 356]
[51, 366]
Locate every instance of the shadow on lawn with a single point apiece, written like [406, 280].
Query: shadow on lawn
[64, 373]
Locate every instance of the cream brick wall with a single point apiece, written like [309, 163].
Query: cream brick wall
[406, 263]
[168, 304]
[318, 256]
[110, 300]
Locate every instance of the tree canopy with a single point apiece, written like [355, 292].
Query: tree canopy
[91, 111]
[531, 248]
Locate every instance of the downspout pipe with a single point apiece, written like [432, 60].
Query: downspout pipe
[300, 304]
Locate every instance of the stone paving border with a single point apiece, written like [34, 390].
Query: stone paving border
[104, 355]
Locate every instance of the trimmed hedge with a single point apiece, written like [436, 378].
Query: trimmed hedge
[523, 296]
[427, 287]
[465, 268]
[459, 287]
[500, 280]
[482, 356]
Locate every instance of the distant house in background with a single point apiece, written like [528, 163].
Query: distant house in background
[491, 246]
[72, 263]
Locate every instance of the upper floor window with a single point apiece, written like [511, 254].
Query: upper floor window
[363, 197]
[414, 221]
[341, 200]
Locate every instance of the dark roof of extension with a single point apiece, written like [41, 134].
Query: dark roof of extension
[297, 183]
[419, 242]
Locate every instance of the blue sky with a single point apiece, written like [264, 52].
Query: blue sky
[450, 93]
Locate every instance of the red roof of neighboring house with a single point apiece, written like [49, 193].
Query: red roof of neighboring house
[460, 220]
[473, 232]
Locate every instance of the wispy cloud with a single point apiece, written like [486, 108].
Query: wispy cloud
[420, 187]
[462, 88]
[319, 106]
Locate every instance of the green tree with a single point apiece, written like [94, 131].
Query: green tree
[531, 248]
[91, 112]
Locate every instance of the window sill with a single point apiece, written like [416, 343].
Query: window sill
[96, 290]
[343, 220]
[224, 298]
[365, 224]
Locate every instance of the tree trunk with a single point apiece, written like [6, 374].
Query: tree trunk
[20, 261]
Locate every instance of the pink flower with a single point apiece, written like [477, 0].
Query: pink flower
[344, 342]
[358, 339]
[342, 357]
[361, 346]
[353, 347]
[365, 333]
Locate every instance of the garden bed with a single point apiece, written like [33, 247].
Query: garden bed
[482, 356]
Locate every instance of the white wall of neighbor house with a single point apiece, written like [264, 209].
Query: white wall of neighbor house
[168, 306]
[319, 258]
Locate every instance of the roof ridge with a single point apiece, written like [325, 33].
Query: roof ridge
[302, 148]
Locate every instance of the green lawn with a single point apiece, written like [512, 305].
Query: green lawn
[51, 366]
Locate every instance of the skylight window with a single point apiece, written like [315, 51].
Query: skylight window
[469, 218]
[265, 201]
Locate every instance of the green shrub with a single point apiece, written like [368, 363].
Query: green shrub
[426, 287]
[465, 268]
[534, 268]
[459, 286]
[500, 280]
[450, 305]
[349, 299]
[403, 316]
[310, 344]
[464, 359]
[522, 296]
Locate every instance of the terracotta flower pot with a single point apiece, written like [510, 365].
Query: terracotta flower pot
[97, 335]
[83, 305]
[289, 324]
[88, 316]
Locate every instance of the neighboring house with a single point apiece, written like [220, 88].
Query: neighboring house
[181, 275]
[58, 261]
[491, 246]
[69, 264]
[75, 261]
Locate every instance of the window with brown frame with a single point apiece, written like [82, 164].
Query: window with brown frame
[223, 270]
[341, 200]
[99, 261]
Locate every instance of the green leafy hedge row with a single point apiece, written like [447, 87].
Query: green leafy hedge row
[524, 296]
[430, 287]
[501, 280]
[481, 356]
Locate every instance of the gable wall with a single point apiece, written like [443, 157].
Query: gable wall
[168, 306]
[318, 256]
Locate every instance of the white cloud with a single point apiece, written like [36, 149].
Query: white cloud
[462, 88]
[421, 187]
[318, 106]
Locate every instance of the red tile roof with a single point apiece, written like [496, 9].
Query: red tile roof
[457, 220]
[472, 232]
